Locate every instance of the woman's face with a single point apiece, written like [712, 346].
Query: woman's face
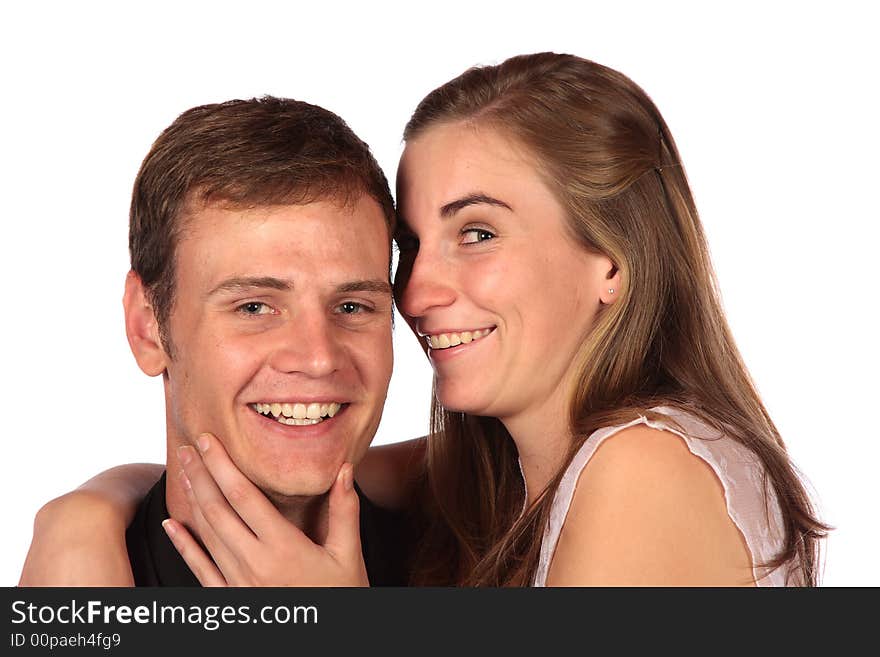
[489, 277]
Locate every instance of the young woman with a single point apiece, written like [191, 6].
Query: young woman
[593, 422]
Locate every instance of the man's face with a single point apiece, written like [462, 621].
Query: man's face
[281, 328]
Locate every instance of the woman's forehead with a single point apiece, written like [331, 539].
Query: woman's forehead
[451, 162]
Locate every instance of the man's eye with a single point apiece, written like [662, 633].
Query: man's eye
[254, 308]
[352, 308]
[475, 235]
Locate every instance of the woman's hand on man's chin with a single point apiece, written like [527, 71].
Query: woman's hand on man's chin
[250, 542]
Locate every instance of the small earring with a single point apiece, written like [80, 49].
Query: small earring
[610, 290]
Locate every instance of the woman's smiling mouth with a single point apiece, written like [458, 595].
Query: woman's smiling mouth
[455, 338]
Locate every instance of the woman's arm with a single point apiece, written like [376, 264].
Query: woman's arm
[387, 473]
[79, 537]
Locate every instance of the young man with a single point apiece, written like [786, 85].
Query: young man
[259, 290]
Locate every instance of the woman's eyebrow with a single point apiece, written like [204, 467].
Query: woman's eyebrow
[475, 198]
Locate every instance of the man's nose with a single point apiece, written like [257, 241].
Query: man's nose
[308, 343]
[424, 282]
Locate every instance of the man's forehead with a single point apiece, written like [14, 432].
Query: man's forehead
[355, 208]
[364, 221]
[317, 229]
[317, 249]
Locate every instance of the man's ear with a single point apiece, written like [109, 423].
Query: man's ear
[142, 328]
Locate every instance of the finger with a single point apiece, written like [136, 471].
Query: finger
[225, 559]
[344, 531]
[248, 501]
[219, 514]
[199, 563]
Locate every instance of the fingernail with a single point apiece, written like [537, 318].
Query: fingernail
[184, 453]
[203, 442]
[348, 477]
[169, 528]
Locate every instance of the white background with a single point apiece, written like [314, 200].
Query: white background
[774, 108]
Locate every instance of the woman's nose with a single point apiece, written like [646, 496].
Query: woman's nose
[424, 282]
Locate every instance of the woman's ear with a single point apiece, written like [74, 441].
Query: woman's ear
[610, 290]
[142, 328]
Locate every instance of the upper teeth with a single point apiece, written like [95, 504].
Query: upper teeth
[299, 411]
[444, 340]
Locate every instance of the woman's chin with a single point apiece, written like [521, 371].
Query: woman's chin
[460, 401]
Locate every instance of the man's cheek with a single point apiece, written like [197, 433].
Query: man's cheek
[239, 357]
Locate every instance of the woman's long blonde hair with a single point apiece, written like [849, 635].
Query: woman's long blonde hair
[603, 148]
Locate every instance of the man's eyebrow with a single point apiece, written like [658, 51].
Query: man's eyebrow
[476, 198]
[377, 285]
[240, 283]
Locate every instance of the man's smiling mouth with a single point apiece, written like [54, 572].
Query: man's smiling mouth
[298, 414]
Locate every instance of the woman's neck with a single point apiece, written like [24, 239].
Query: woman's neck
[542, 437]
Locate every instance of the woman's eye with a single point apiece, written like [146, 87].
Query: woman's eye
[474, 235]
[255, 308]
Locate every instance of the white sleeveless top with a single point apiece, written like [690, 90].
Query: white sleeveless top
[738, 468]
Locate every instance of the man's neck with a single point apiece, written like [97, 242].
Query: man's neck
[309, 513]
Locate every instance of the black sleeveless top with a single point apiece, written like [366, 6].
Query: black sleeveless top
[385, 540]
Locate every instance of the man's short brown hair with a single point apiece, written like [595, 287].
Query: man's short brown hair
[244, 153]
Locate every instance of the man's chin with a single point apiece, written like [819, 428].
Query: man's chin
[282, 490]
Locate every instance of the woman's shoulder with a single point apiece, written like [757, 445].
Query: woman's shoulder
[387, 473]
[648, 502]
